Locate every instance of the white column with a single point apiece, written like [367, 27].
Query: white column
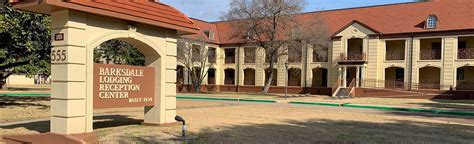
[71, 106]
[357, 76]
[344, 76]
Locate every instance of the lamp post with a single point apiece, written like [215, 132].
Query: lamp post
[286, 78]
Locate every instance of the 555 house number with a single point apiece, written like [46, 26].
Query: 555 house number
[58, 55]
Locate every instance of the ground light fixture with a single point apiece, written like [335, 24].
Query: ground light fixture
[183, 128]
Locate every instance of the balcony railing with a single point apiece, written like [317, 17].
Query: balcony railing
[430, 54]
[229, 59]
[352, 56]
[466, 53]
[320, 56]
[394, 84]
[395, 55]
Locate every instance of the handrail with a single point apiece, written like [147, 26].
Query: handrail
[351, 87]
[335, 86]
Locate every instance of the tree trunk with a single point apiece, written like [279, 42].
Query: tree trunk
[266, 87]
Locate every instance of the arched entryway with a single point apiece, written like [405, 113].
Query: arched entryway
[294, 77]
[274, 78]
[77, 27]
[211, 76]
[465, 78]
[249, 76]
[394, 78]
[429, 78]
[229, 77]
[320, 77]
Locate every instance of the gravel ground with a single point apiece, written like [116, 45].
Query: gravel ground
[228, 122]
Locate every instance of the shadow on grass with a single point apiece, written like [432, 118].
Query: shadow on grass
[23, 102]
[447, 106]
[341, 131]
[102, 121]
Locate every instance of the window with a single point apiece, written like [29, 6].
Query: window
[462, 44]
[460, 74]
[229, 55]
[249, 55]
[209, 34]
[212, 55]
[431, 22]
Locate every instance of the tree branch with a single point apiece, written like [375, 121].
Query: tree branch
[10, 65]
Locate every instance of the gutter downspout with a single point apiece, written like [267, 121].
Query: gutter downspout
[411, 63]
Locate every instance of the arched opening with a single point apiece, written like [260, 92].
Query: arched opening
[394, 77]
[229, 77]
[274, 78]
[355, 49]
[320, 77]
[211, 76]
[135, 52]
[249, 76]
[465, 78]
[117, 51]
[179, 74]
[294, 77]
[429, 78]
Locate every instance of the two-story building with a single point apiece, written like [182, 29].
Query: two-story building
[409, 46]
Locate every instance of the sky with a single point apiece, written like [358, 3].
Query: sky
[210, 10]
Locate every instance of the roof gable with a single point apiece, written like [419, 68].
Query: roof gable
[355, 29]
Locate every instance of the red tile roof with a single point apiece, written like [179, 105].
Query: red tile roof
[385, 19]
[205, 26]
[142, 11]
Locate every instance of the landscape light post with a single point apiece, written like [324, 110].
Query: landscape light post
[183, 127]
[286, 78]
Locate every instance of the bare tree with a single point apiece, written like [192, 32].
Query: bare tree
[275, 26]
[193, 55]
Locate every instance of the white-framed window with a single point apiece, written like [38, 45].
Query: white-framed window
[431, 22]
[209, 34]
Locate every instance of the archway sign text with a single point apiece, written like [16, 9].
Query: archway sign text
[123, 86]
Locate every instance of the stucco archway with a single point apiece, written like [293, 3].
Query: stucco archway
[80, 26]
